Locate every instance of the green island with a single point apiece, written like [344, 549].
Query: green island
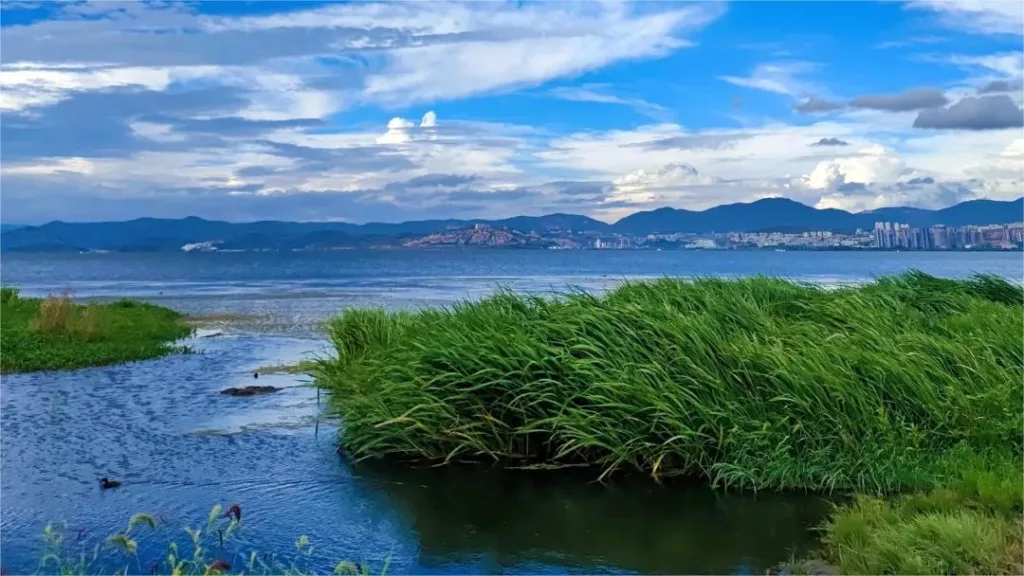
[54, 333]
[904, 394]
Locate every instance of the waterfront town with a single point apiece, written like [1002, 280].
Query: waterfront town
[884, 236]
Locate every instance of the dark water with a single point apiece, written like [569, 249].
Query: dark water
[180, 447]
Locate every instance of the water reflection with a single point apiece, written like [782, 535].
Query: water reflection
[508, 519]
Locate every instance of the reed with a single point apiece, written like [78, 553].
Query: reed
[760, 382]
[55, 314]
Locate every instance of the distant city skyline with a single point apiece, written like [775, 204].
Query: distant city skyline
[362, 112]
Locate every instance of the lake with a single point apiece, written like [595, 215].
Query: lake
[180, 447]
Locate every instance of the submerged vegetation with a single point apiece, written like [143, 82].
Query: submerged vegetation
[54, 333]
[909, 383]
[210, 549]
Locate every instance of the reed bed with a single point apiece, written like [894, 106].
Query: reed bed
[759, 382]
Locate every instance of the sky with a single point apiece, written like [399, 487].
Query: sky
[397, 111]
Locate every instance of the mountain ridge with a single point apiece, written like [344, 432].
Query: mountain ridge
[157, 234]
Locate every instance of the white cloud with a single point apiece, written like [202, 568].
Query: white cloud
[25, 85]
[978, 16]
[780, 78]
[645, 186]
[870, 165]
[600, 93]
[262, 83]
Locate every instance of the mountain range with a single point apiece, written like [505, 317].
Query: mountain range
[154, 234]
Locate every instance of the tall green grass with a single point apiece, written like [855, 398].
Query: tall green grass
[759, 382]
[54, 333]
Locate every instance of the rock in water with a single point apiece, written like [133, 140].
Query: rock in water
[249, 390]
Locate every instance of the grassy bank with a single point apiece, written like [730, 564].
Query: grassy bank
[907, 385]
[56, 334]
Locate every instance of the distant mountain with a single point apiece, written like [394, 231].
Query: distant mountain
[154, 234]
[783, 214]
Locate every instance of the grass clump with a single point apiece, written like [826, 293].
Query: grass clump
[758, 382]
[940, 532]
[211, 548]
[54, 333]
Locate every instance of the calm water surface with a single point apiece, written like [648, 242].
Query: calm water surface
[180, 447]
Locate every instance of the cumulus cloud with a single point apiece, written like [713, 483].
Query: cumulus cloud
[869, 165]
[930, 195]
[645, 186]
[982, 113]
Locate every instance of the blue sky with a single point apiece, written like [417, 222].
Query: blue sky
[409, 110]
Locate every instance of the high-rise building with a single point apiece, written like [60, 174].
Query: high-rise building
[940, 237]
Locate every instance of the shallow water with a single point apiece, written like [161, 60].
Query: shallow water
[180, 447]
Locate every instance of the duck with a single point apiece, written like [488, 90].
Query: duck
[106, 483]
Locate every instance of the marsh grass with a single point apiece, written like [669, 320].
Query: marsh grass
[210, 548]
[909, 383]
[54, 333]
[759, 382]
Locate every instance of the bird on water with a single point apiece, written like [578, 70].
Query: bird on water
[106, 483]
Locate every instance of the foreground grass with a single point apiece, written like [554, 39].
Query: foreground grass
[907, 385]
[56, 334]
[205, 553]
[973, 527]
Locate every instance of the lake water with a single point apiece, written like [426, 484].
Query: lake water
[180, 447]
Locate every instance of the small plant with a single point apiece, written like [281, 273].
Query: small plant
[210, 549]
